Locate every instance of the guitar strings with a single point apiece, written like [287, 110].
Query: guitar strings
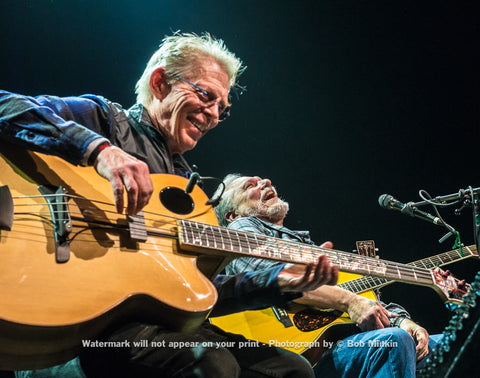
[80, 216]
[328, 252]
[365, 283]
[305, 249]
[299, 249]
[90, 208]
[306, 252]
[299, 254]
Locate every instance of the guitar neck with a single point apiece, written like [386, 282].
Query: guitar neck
[205, 238]
[367, 283]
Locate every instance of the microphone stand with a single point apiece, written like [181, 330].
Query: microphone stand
[476, 219]
[469, 196]
[440, 200]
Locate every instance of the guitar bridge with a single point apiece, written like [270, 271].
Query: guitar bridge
[282, 316]
[62, 223]
[137, 228]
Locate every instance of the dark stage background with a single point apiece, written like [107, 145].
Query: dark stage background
[345, 100]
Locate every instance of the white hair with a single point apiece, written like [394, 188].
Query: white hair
[227, 203]
[272, 213]
[179, 52]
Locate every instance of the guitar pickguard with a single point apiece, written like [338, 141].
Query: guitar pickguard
[309, 319]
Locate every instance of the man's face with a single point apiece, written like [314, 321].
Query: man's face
[255, 196]
[185, 114]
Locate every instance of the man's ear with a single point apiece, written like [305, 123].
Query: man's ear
[158, 83]
[231, 216]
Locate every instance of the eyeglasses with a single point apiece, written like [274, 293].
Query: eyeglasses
[206, 98]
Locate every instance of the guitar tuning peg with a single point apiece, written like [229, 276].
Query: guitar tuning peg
[444, 273]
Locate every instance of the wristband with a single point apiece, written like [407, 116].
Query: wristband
[93, 156]
[398, 320]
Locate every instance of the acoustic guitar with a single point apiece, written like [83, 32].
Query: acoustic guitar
[309, 331]
[71, 267]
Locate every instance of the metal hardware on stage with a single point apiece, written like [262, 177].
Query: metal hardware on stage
[456, 354]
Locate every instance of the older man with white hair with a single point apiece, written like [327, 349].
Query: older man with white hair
[182, 94]
[251, 204]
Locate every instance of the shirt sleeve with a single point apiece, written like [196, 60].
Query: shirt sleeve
[67, 127]
[242, 264]
[250, 291]
[396, 309]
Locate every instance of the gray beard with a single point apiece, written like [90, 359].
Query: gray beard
[273, 213]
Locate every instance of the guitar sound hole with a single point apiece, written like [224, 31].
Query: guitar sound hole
[176, 200]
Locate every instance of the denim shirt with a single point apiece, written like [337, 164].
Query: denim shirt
[71, 127]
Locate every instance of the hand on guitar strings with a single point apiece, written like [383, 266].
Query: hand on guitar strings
[296, 277]
[419, 334]
[124, 170]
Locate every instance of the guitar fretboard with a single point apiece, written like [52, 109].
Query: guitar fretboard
[366, 283]
[200, 237]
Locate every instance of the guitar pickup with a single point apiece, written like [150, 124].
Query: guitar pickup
[6, 208]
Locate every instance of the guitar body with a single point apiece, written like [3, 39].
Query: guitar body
[47, 308]
[72, 268]
[311, 332]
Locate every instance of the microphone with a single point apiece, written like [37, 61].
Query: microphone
[388, 202]
[194, 177]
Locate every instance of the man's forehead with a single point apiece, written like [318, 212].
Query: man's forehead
[209, 69]
[238, 183]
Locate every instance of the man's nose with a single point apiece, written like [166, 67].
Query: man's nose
[213, 110]
[265, 182]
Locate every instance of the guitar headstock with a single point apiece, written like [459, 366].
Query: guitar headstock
[366, 248]
[473, 250]
[453, 288]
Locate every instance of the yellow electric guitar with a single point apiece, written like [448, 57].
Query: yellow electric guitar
[71, 267]
[312, 331]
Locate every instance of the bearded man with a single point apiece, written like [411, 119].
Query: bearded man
[182, 94]
[251, 204]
